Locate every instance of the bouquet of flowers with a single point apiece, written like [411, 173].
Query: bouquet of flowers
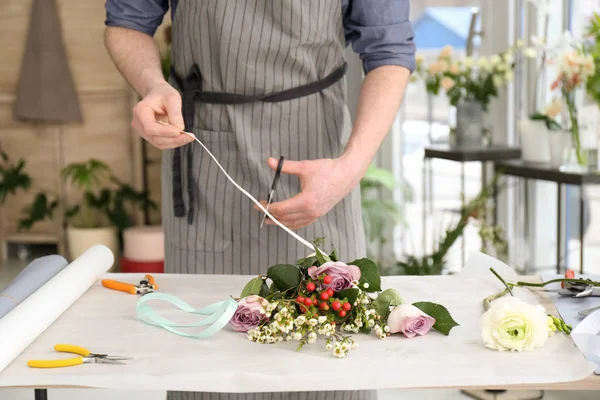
[469, 79]
[321, 295]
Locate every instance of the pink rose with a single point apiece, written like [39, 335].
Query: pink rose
[341, 274]
[248, 316]
[409, 320]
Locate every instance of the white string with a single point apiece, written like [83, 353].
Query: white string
[294, 235]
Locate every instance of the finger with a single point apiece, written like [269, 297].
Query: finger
[289, 167]
[296, 204]
[168, 143]
[173, 105]
[145, 121]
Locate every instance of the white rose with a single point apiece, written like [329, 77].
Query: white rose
[512, 324]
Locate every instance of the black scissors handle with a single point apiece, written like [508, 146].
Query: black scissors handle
[277, 174]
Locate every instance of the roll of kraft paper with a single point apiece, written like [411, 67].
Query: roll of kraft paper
[20, 327]
[33, 277]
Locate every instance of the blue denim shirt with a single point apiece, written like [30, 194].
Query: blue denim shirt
[378, 30]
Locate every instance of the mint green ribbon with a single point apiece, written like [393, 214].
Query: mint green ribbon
[218, 315]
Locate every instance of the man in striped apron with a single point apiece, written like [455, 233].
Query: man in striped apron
[255, 80]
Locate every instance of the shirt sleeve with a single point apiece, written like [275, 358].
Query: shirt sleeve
[380, 32]
[141, 15]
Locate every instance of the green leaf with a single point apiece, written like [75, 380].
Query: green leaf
[265, 290]
[252, 287]
[443, 320]
[333, 256]
[284, 276]
[307, 262]
[369, 273]
[322, 258]
[350, 294]
[387, 298]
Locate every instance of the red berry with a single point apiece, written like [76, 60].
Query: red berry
[323, 306]
[327, 280]
[303, 309]
[342, 313]
[336, 305]
[324, 296]
[307, 302]
[347, 306]
[330, 292]
[300, 299]
[310, 286]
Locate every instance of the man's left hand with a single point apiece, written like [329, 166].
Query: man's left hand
[324, 183]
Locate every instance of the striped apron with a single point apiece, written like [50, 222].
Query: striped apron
[258, 79]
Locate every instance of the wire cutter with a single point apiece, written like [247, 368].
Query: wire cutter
[145, 286]
[87, 357]
[273, 186]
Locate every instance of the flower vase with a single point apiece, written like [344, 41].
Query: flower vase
[535, 142]
[582, 125]
[560, 149]
[469, 124]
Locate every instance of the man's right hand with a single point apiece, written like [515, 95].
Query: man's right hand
[162, 102]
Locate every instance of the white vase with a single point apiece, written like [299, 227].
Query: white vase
[81, 239]
[560, 148]
[535, 146]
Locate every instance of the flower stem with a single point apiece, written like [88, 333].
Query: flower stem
[569, 98]
[503, 281]
[488, 300]
[584, 281]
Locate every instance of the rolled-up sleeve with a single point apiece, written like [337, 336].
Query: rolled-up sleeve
[380, 32]
[141, 15]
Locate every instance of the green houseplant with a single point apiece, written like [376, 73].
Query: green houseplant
[12, 176]
[104, 212]
[476, 209]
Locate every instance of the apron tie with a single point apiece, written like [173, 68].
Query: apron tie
[191, 89]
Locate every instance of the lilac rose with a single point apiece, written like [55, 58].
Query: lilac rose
[248, 315]
[409, 320]
[342, 275]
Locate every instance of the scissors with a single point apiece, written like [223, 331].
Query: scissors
[86, 357]
[273, 186]
[145, 286]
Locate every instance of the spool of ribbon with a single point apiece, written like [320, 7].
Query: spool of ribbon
[217, 315]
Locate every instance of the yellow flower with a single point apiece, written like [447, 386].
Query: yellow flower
[495, 60]
[554, 108]
[530, 52]
[454, 69]
[520, 44]
[497, 81]
[444, 66]
[447, 83]
[468, 62]
[508, 76]
[483, 63]
[446, 52]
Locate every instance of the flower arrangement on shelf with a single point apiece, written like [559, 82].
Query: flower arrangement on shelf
[321, 295]
[575, 66]
[510, 324]
[593, 46]
[549, 113]
[470, 79]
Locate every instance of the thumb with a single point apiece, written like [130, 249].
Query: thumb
[173, 106]
[289, 167]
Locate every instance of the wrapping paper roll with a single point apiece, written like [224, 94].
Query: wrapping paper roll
[21, 326]
[36, 274]
[144, 243]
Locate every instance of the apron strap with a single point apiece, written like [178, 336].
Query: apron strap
[191, 89]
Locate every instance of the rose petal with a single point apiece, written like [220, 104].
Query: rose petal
[355, 271]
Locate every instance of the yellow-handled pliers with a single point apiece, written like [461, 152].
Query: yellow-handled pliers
[87, 357]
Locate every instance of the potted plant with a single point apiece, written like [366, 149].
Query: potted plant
[104, 212]
[12, 177]
[477, 209]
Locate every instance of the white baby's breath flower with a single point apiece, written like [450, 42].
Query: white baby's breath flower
[288, 338]
[511, 324]
[483, 63]
[312, 337]
[297, 336]
[366, 285]
[386, 328]
[371, 323]
[322, 319]
[530, 52]
[328, 346]
[301, 320]
[498, 81]
[313, 322]
[354, 346]
[262, 311]
[345, 346]
[338, 352]
[508, 76]
[364, 301]
[495, 59]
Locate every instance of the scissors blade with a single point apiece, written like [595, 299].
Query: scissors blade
[271, 195]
